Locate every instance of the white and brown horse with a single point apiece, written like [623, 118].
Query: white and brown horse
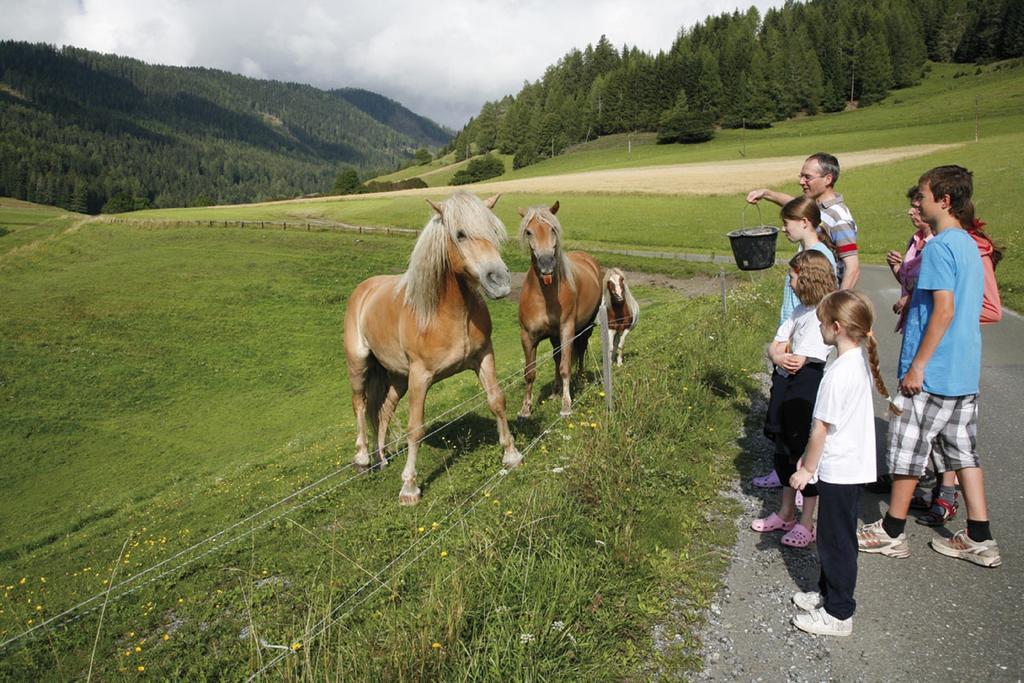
[623, 311]
[404, 333]
[559, 300]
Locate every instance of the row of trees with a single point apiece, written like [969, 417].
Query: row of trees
[100, 132]
[739, 70]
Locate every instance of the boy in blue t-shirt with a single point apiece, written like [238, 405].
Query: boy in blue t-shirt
[939, 369]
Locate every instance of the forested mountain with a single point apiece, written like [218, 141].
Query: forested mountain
[89, 131]
[741, 69]
[394, 115]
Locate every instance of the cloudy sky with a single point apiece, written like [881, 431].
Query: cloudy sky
[441, 58]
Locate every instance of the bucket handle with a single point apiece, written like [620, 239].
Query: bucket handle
[743, 215]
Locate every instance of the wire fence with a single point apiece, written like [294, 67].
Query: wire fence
[224, 537]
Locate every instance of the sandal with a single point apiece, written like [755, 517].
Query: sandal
[768, 481]
[799, 537]
[940, 512]
[772, 523]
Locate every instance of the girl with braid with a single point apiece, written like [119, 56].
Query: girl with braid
[840, 457]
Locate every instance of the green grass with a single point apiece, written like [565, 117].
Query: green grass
[22, 223]
[163, 383]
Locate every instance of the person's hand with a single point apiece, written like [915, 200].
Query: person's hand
[800, 478]
[754, 196]
[912, 382]
[900, 304]
[791, 362]
[895, 260]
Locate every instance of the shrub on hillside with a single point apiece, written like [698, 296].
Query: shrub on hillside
[386, 186]
[478, 169]
[687, 128]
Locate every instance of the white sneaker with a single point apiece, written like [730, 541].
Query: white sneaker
[822, 623]
[808, 602]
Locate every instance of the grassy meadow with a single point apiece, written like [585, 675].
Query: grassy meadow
[164, 384]
[177, 416]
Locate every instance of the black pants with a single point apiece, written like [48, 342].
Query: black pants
[838, 505]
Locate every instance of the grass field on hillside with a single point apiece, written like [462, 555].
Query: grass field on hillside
[162, 384]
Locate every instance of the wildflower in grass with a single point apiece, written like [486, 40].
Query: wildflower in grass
[557, 626]
[167, 636]
[42, 579]
[138, 649]
[422, 529]
[436, 646]
[508, 513]
[593, 425]
[22, 582]
[434, 525]
[525, 638]
[296, 646]
[140, 668]
[487, 494]
[444, 553]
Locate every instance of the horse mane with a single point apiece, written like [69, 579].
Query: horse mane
[563, 265]
[627, 295]
[428, 263]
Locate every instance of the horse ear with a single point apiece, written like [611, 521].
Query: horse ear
[436, 207]
[554, 208]
[522, 212]
[489, 203]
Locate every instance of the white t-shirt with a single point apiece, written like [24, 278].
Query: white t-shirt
[844, 403]
[803, 331]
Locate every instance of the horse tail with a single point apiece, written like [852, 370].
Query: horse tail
[375, 390]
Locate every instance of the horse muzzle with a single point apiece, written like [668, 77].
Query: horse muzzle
[546, 267]
[497, 282]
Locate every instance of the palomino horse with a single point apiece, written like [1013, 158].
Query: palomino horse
[559, 300]
[404, 333]
[623, 310]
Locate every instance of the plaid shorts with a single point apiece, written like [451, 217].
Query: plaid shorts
[944, 428]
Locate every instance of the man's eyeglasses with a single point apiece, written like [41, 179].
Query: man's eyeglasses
[808, 177]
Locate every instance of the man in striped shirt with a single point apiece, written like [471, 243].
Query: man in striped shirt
[818, 177]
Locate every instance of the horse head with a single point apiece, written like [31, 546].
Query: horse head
[541, 233]
[464, 239]
[615, 283]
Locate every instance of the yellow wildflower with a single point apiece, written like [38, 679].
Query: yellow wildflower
[296, 646]
[422, 529]
[444, 553]
[436, 646]
[167, 636]
[140, 668]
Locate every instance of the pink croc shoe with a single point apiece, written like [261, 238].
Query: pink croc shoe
[799, 537]
[771, 523]
[768, 481]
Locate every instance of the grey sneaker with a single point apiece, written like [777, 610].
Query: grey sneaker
[871, 538]
[808, 602]
[984, 553]
[820, 622]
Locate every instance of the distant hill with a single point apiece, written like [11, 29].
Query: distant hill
[394, 115]
[90, 132]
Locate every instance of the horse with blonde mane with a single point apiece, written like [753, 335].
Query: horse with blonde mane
[404, 333]
[559, 301]
[623, 310]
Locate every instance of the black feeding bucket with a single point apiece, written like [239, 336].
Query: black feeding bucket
[754, 248]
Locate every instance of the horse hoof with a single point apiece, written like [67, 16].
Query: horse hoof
[409, 499]
[522, 417]
[512, 461]
[566, 412]
[361, 467]
[381, 464]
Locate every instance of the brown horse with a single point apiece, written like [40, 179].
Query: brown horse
[404, 333]
[559, 300]
[623, 310]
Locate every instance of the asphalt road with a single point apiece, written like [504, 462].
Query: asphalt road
[927, 617]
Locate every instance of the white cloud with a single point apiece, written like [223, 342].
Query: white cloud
[443, 59]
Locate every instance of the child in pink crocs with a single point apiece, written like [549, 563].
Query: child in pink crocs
[798, 352]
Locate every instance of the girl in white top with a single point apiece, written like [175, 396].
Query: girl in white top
[799, 354]
[840, 456]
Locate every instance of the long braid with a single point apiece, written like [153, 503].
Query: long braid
[876, 373]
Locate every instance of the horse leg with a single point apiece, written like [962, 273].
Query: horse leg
[622, 341]
[356, 377]
[611, 345]
[556, 354]
[419, 382]
[396, 390]
[496, 401]
[529, 372]
[565, 369]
